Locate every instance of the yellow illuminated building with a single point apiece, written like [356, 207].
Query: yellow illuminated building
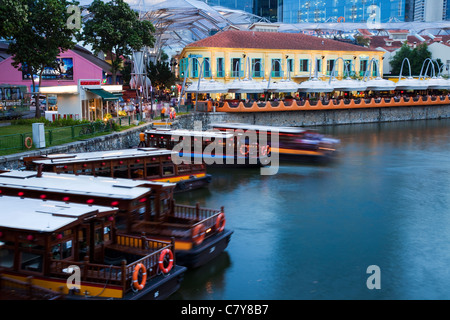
[227, 56]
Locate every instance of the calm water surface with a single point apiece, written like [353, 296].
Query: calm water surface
[311, 231]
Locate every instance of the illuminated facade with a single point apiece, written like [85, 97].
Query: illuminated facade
[225, 57]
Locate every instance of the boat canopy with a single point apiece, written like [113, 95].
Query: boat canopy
[104, 155]
[104, 187]
[44, 216]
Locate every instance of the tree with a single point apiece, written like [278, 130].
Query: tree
[40, 37]
[12, 13]
[415, 56]
[160, 73]
[116, 29]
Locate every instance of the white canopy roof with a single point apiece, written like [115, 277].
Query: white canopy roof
[126, 189]
[315, 85]
[42, 216]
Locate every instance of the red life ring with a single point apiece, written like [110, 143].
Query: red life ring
[198, 234]
[220, 222]
[136, 284]
[162, 256]
[28, 142]
[244, 149]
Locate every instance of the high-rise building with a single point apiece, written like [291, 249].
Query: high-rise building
[430, 10]
[296, 11]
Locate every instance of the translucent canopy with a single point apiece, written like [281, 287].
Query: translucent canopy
[348, 84]
[287, 86]
[380, 84]
[206, 86]
[181, 22]
[246, 86]
[437, 83]
[411, 84]
[315, 85]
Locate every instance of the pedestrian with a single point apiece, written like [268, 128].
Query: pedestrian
[172, 114]
[142, 143]
[163, 112]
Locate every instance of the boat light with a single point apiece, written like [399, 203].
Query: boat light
[20, 193]
[30, 237]
[43, 196]
[114, 203]
[143, 200]
[89, 201]
[66, 199]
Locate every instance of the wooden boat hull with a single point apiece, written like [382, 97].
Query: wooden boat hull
[188, 183]
[157, 288]
[205, 252]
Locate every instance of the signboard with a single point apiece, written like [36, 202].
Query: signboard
[64, 71]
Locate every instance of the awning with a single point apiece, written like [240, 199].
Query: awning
[108, 96]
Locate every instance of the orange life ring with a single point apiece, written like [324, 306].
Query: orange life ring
[198, 234]
[220, 222]
[244, 149]
[28, 142]
[136, 284]
[161, 260]
[263, 150]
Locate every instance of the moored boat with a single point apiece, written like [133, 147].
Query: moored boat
[59, 250]
[213, 148]
[294, 143]
[142, 164]
[145, 207]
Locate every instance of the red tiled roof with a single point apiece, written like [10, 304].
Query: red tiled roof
[273, 40]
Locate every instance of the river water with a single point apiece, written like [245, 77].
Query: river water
[312, 231]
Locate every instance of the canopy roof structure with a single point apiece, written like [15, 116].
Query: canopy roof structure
[181, 22]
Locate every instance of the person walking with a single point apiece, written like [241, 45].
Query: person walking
[142, 143]
[172, 114]
[163, 112]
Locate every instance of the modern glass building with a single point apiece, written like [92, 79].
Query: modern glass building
[297, 11]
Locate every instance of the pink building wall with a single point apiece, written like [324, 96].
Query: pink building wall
[82, 69]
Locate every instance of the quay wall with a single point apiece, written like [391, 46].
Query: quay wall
[130, 138]
[117, 140]
[309, 118]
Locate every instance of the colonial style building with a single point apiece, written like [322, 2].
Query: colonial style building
[229, 55]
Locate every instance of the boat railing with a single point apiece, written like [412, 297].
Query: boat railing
[194, 212]
[112, 274]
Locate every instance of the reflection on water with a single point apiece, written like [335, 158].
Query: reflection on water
[311, 231]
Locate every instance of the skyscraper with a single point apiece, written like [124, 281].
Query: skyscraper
[430, 10]
[296, 11]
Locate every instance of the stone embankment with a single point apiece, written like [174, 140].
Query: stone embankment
[117, 140]
[304, 118]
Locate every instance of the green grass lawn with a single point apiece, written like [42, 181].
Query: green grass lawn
[10, 141]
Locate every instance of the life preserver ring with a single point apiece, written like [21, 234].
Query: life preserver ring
[198, 234]
[28, 142]
[162, 256]
[244, 150]
[136, 284]
[220, 222]
[264, 150]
